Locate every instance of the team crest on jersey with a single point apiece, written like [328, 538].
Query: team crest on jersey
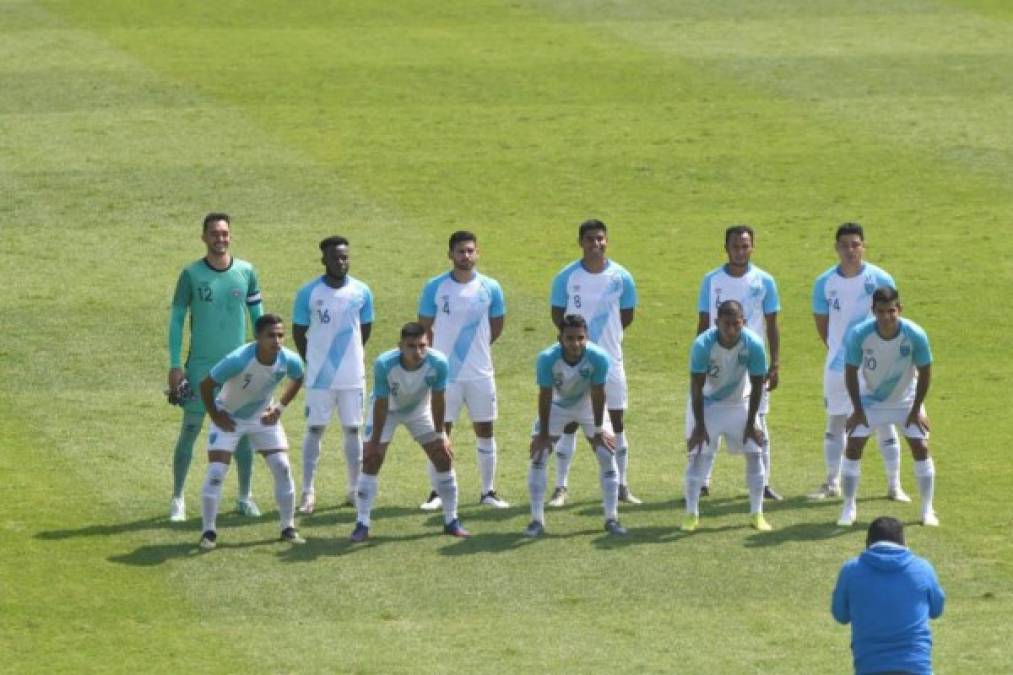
[585, 372]
[743, 358]
[870, 287]
[756, 290]
[431, 380]
[616, 285]
[905, 350]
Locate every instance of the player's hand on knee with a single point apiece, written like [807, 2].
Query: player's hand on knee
[272, 416]
[855, 420]
[917, 418]
[753, 433]
[698, 439]
[541, 446]
[605, 440]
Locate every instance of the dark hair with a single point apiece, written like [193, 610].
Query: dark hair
[730, 308]
[336, 240]
[849, 228]
[461, 235]
[885, 294]
[736, 230]
[267, 320]
[591, 226]
[412, 329]
[214, 217]
[573, 321]
[885, 528]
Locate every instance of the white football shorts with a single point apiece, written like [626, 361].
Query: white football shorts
[418, 422]
[559, 417]
[728, 421]
[878, 417]
[320, 403]
[478, 395]
[262, 436]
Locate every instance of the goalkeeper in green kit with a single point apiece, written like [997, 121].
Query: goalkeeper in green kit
[218, 290]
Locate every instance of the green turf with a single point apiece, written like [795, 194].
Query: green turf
[123, 122]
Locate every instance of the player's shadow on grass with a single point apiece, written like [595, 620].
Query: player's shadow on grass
[157, 554]
[154, 523]
[345, 515]
[340, 545]
[800, 532]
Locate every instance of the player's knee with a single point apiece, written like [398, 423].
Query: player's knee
[570, 428]
[919, 449]
[483, 429]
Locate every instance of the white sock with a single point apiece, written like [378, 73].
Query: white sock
[622, 456]
[697, 468]
[608, 473]
[889, 447]
[851, 471]
[833, 447]
[284, 487]
[446, 487]
[762, 422]
[566, 447]
[755, 480]
[486, 462]
[211, 493]
[311, 456]
[365, 492]
[925, 472]
[353, 455]
[538, 483]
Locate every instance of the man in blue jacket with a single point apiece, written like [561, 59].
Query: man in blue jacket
[888, 594]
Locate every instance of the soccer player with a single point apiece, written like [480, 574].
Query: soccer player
[245, 408]
[728, 367]
[888, 370]
[218, 290]
[603, 292]
[756, 292]
[842, 299]
[464, 313]
[572, 376]
[331, 322]
[408, 388]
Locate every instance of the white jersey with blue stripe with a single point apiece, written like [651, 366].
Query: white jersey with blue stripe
[755, 290]
[727, 368]
[334, 317]
[571, 384]
[460, 314]
[247, 384]
[598, 297]
[846, 302]
[406, 389]
[888, 369]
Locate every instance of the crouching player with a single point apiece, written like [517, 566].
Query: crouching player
[245, 407]
[571, 389]
[408, 388]
[727, 369]
[887, 372]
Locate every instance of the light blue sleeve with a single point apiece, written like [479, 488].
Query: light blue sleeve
[293, 365]
[820, 304]
[442, 368]
[427, 301]
[937, 598]
[543, 369]
[497, 307]
[301, 307]
[771, 300]
[380, 387]
[757, 364]
[839, 605]
[628, 300]
[883, 278]
[230, 366]
[703, 304]
[700, 353]
[853, 346]
[922, 355]
[366, 313]
[558, 298]
[600, 361]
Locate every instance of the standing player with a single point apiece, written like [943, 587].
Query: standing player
[408, 386]
[217, 290]
[331, 322]
[463, 311]
[842, 299]
[571, 390]
[245, 408]
[888, 370]
[727, 369]
[756, 292]
[603, 293]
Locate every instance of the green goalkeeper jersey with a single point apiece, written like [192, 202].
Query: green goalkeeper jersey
[217, 301]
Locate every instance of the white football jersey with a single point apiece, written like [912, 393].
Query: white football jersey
[334, 354]
[755, 291]
[847, 302]
[888, 369]
[407, 389]
[598, 298]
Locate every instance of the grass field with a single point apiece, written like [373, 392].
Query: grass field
[122, 122]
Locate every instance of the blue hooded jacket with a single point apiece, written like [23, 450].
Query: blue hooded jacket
[888, 594]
